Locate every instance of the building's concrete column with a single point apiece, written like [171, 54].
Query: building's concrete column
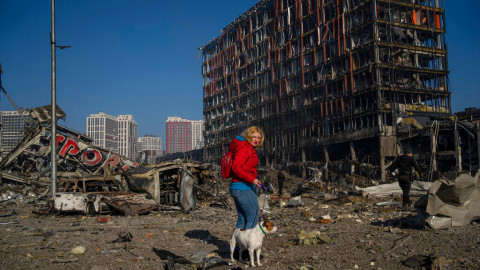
[458, 150]
[304, 164]
[433, 147]
[353, 156]
[327, 160]
[383, 173]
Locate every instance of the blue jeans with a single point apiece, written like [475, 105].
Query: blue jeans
[246, 203]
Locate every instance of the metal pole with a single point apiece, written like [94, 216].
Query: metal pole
[478, 146]
[53, 139]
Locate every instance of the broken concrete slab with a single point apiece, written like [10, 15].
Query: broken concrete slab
[451, 203]
[418, 188]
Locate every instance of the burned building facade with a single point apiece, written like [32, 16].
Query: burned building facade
[326, 79]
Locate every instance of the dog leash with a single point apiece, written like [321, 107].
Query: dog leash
[264, 202]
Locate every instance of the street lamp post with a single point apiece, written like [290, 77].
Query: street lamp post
[53, 139]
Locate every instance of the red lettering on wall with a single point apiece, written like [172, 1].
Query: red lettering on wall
[112, 161]
[92, 157]
[71, 147]
[60, 139]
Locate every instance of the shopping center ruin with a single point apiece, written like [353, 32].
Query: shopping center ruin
[326, 79]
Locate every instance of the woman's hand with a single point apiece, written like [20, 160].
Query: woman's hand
[257, 183]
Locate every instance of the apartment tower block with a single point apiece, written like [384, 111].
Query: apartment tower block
[118, 134]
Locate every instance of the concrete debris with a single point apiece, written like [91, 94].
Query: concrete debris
[295, 201]
[451, 203]
[388, 203]
[8, 213]
[123, 237]
[389, 189]
[312, 238]
[187, 191]
[90, 178]
[78, 250]
[66, 260]
[77, 202]
[130, 204]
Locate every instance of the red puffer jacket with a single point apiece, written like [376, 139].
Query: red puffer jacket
[245, 160]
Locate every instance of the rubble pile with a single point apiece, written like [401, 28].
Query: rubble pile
[187, 213]
[91, 179]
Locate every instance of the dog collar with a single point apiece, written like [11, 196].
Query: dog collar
[261, 229]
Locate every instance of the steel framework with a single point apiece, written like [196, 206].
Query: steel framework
[325, 78]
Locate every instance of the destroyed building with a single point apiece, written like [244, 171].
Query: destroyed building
[326, 79]
[89, 176]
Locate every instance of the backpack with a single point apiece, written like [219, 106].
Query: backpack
[226, 164]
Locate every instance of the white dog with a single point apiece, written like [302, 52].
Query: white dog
[251, 239]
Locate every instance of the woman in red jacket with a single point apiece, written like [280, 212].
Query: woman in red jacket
[244, 180]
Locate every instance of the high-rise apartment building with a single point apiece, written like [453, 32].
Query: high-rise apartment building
[197, 134]
[118, 134]
[324, 75]
[127, 136]
[103, 129]
[151, 148]
[179, 135]
[11, 129]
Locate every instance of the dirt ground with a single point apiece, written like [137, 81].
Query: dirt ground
[361, 236]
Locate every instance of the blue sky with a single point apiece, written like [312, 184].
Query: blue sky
[139, 57]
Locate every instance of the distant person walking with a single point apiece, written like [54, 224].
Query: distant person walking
[282, 175]
[404, 164]
[244, 180]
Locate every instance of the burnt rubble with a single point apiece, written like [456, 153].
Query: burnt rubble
[93, 180]
[90, 177]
